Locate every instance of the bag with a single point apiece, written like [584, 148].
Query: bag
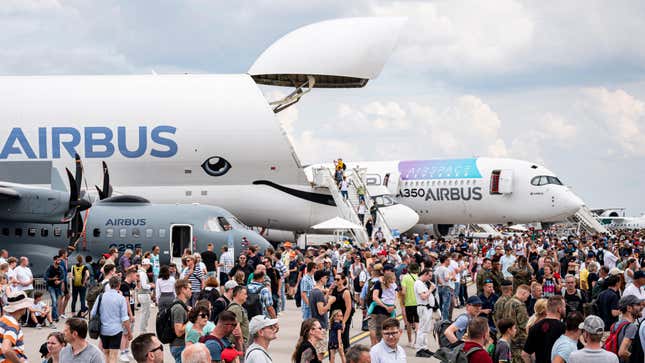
[94, 325]
[591, 308]
[370, 293]
[440, 330]
[77, 275]
[253, 303]
[611, 344]
[94, 293]
[164, 327]
[454, 354]
[636, 350]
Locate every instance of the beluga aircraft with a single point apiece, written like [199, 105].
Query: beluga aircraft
[215, 139]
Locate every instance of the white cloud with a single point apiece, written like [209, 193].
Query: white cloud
[558, 127]
[622, 115]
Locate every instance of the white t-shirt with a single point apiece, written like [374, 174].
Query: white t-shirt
[23, 274]
[256, 354]
[507, 261]
[420, 288]
[610, 259]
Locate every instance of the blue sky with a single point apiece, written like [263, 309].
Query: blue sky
[561, 83]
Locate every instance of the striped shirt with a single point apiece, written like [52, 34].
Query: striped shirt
[195, 278]
[10, 329]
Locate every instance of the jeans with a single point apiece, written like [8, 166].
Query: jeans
[54, 293]
[306, 312]
[76, 293]
[176, 352]
[457, 289]
[445, 296]
[344, 193]
[283, 297]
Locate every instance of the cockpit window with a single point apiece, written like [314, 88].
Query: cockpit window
[544, 180]
[212, 225]
[384, 200]
[224, 223]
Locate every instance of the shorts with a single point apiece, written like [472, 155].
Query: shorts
[376, 324]
[411, 315]
[111, 342]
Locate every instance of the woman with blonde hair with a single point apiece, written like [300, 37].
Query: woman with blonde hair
[540, 313]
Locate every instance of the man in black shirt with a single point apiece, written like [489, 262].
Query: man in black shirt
[209, 258]
[54, 277]
[544, 333]
[608, 301]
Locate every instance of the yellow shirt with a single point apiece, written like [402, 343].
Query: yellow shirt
[584, 275]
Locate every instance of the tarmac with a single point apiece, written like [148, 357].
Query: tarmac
[280, 349]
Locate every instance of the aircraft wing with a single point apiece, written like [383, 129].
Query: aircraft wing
[7, 192]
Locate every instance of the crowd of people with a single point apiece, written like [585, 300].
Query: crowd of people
[539, 298]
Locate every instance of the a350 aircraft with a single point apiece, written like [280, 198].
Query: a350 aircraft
[214, 139]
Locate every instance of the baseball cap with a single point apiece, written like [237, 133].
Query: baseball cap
[146, 261]
[287, 244]
[615, 271]
[230, 284]
[507, 282]
[592, 324]
[260, 322]
[474, 300]
[628, 300]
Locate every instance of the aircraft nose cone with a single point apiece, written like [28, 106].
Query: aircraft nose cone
[571, 202]
[400, 217]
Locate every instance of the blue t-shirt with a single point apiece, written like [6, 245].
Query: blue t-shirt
[462, 324]
[216, 346]
[563, 347]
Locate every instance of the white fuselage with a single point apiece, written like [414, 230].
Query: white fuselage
[213, 139]
[458, 191]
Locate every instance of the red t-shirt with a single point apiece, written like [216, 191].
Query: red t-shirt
[480, 356]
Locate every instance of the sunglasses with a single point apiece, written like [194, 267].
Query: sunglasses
[160, 347]
[202, 315]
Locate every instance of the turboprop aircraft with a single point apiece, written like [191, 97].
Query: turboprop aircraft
[125, 222]
[214, 139]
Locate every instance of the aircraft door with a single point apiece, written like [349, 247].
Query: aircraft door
[506, 181]
[181, 237]
[391, 181]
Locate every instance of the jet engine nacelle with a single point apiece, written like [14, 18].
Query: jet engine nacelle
[437, 230]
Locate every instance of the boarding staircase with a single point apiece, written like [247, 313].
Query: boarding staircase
[587, 221]
[323, 178]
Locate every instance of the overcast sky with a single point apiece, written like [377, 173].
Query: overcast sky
[560, 83]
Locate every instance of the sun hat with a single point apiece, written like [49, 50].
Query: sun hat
[17, 301]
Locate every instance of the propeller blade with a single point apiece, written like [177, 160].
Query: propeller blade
[79, 171]
[106, 192]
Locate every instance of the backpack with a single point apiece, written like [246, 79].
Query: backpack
[455, 354]
[216, 310]
[164, 327]
[77, 275]
[611, 344]
[440, 329]
[93, 293]
[253, 303]
[94, 325]
[370, 293]
[636, 350]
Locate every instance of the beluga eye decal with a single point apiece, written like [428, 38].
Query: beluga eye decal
[216, 166]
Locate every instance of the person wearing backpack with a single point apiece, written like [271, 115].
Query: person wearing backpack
[457, 329]
[478, 339]
[238, 300]
[573, 296]
[624, 331]
[178, 317]
[80, 277]
[592, 332]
